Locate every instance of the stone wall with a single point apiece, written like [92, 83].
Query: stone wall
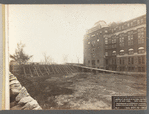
[19, 97]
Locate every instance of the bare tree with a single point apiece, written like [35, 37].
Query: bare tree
[65, 58]
[19, 56]
[78, 58]
[47, 59]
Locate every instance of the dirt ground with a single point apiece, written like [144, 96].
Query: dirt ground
[82, 90]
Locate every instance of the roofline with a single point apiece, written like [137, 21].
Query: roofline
[118, 24]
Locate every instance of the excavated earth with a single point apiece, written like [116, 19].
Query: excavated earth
[82, 90]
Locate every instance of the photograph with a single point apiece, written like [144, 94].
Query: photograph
[76, 56]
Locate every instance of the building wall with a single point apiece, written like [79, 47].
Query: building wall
[94, 49]
[122, 47]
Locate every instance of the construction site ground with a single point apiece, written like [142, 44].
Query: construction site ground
[82, 90]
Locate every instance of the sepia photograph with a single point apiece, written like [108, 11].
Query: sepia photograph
[77, 56]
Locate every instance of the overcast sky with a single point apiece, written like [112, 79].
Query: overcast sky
[59, 29]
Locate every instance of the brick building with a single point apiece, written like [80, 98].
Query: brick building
[94, 45]
[120, 47]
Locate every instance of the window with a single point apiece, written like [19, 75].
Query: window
[88, 61]
[93, 55]
[106, 53]
[113, 61]
[106, 40]
[141, 35]
[121, 44]
[142, 69]
[106, 61]
[109, 47]
[122, 68]
[130, 60]
[128, 24]
[121, 41]
[98, 61]
[93, 62]
[134, 22]
[121, 52]
[110, 53]
[114, 53]
[131, 23]
[130, 51]
[112, 30]
[106, 47]
[119, 27]
[93, 43]
[110, 41]
[113, 40]
[123, 27]
[130, 68]
[142, 20]
[114, 46]
[141, 60]
[141, 50]
[138, 21]
[122, 62]
[130, 38]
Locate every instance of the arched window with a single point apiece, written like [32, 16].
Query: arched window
[141, 50]
[131, 51]
[114, 53]
[121, 52]
[106, 53]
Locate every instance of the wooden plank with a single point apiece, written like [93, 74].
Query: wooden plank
[53, 69]
[67, 69]
[36, 71]
[46, 70]
[47, 67]
[24, 70]
[64, 69]
[30, 71]
[59, 67]
[38, 68]
[70, 68]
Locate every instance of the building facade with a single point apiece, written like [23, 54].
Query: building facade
[94, 45]
[121, 47]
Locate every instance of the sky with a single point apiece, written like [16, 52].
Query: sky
[58, 30]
